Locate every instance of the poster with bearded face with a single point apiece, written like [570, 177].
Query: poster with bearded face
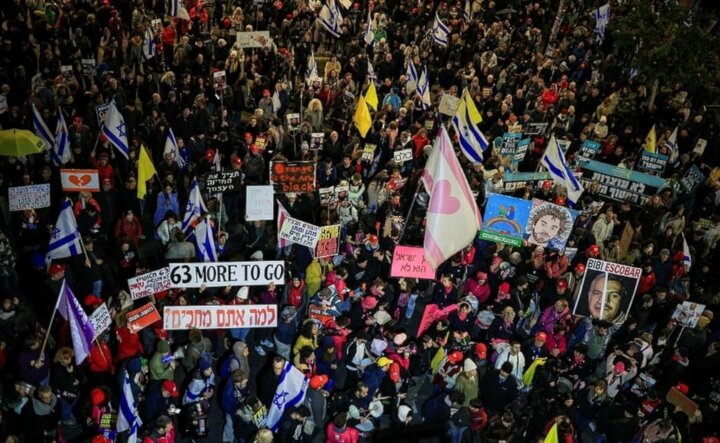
[549, 225]
[607, 291]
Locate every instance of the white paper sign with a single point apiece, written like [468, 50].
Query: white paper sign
[448, 104]
[29, 197]
[219, 317]
[218, 275]
[256, 39]
[297, 231]
[148, 284]
[402, 156]
[100, 319]
[259, 203]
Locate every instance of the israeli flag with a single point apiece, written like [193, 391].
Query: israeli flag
[194, 209]
[61, 150]
[672, 145]
[41, 129]
[687, 258]
[602, 18]
[148, 49]
[205, 243]
[171, 147]
[554, 161]
[115, 130]
[371, 71]
[289, 393]
[440, 32]
[176, 9]
[128, 418]
[412, 76]
[330, 18]
[369, 35]
[312, 72]
[65, 238]
[467, 13]
[423, 89]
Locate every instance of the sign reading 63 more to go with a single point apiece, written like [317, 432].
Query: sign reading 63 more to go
[217, 275]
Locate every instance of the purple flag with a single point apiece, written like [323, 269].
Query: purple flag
[81, 330]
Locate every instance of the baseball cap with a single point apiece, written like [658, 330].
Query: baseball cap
[318, 381]
[619, 367]
[481, 350]
[455, 357]
[384, 361]
[394, 372]
[541, 336]
[92, 301]
[562, 284]
[580, 267]
[97, 396]
[55, 268]
[170, 387]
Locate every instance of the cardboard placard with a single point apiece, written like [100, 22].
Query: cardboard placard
[607, 291]
[448, 105]
[316, 141]
[66, 71]
[677, 398]
[504, 220]
[219, 317]
[688, 313]
[259, 202]
[29, 197]
[292, 176]
[368, 152]
[408, 261]
[700, 146]
[521, 150]
[88, 66]
[589, 149]
[328, 244]
[255, 39]
[223, 181]
[78, 180]
[549, 225]
[652, 163]
[626, 239]
[219, 80]
[101, 112]
[535, 128]
[100, 319]
[142, 317]
[219, 275]
[402, 156]
[300, 232]
[149, 284]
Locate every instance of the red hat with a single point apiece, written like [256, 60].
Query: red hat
[103, 156]
[504, 287]
[481, 350]
[560, 200]
[455, 357]
[97, 396]
[580, 267]
[682, 387]
[55, 268]
[539, 255]
[481, 275]
[541, 336]
[92, 300]
[266, 92]
[619, 367]
[372, 238]
[254, 148]
[237, 161]
[496, 261]
[248, 135]
[209, 155]
[170, 387]
[394, 372]
[561, 284]
[100, 439]
[77, 119]
[593, 251]
[546, 184]
[318, 381]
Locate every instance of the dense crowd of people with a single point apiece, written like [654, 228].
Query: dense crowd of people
[501, 359]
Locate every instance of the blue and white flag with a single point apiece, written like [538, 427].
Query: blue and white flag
[311, 74]
[467, 12]
[554, 161]
[148, 49]
[331, 18]
[289, 393]
[81, 330]
[412, 77]
[602, 18]
[171, 147]
[371, 71]
[687, 258]
[128, 417]
[65, 238]
[61, 151]
[423, 89]
[176, 9]
[672, 145]
[472, 141]
[115, 130]
[369, 34]
[194, 209]
[41, 129]
[205, 243]
[440, 32]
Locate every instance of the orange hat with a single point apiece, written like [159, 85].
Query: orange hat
[372, 238]
[318, 381]
[394, 372]
[455, 357]
[97, 396]
[170, 387]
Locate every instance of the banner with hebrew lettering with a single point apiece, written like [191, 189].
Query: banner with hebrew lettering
[408, 261]
[219, 317]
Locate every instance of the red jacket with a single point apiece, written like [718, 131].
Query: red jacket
[647, 283]
[346, 435]
[131, 229]
[154, 438]
[100, 358]
[169, 35]
[129, 346]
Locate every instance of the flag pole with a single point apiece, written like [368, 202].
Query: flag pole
[52, 319]
[407, 217]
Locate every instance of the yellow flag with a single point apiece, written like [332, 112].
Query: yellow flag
[472, 110]
[651, 141]
[146, 170]
[552, 436]
[362, 117]
[371, 96]
[530, 372]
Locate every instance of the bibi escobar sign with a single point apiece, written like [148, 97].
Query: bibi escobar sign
[217, 275]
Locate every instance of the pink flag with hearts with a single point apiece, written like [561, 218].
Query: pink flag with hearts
[453, 218]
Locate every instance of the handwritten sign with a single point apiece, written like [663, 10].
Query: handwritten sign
[402, 156]
[256, 39]
[100, 319]
[223, 181]
[29, 197]
[328, 243]
[88, 66]
[535, 128]
[78, 180]
[101, 112]
[219, 317]
[409, 261]
[368, 152]
[218, 275]
[293, 176]
[700, 146]
[219, 80]
[448, 104]
[331, 195]
[142, 317]
[259, 203]
[149, 284]
[300, 232]
[692, 178]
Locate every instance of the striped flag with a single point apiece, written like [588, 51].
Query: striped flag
[115, 130]
[283, 214]
[602, 18]
[205, 243]
[290, 392]
[171, 147]
[65, 238]
[41, 129]
[81, 330]
[412, 77]
[128, 418]
[672, 145]
[423, 89]
[466, 120]
[369, 35]
[331, 18]
[148, 49]
[467, 13]
[177, 9]
[687, 258]
[440, 32]
[554, 160]
[311, 74]
[194, 209]
[61, 151]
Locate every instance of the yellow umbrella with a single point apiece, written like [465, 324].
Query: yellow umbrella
[19, 142]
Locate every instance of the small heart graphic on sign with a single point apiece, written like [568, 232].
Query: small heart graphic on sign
[80, 181]
[443, 202]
